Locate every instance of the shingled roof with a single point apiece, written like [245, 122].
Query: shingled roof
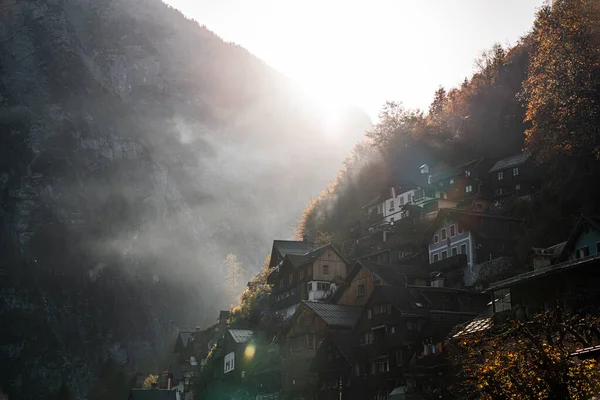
[510, 162]
[281, 248]
[335, 315]
[241, 335]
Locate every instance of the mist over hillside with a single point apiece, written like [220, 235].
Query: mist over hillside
[137, 150]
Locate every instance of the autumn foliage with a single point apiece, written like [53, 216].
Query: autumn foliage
[527, 359]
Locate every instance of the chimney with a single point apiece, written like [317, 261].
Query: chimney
[170, 382]
[305, 238]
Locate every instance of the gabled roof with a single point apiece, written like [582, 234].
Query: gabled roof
[591, 222]
[185, 337]
[241, 335]
[511, 161]
[300, 260]
[335, 315]
[152, 394]
[281, 248]
[393, 275]
[405, 300]
[453, 171]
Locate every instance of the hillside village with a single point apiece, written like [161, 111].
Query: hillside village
[373, 319]
[455, 256]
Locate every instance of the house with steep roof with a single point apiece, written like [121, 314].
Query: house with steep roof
[571, 280]
[364, 275]
[514, 176]
[312, 276]
[282, 248]
[307, 330]
[459, 239]
[399, 336]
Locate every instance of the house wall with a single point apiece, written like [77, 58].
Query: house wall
[337, 267]
[350, 296]
[589, 239]
[455, 241]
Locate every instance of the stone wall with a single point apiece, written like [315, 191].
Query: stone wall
[493, 270]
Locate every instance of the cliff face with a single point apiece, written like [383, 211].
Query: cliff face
[137, 150]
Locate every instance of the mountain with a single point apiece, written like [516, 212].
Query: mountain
[137, 150]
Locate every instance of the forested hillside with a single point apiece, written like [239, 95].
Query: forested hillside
[137, 150]
[540, 95]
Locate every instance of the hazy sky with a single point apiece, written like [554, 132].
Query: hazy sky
[364, 52]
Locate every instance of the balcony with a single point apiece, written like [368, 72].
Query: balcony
[450, 263]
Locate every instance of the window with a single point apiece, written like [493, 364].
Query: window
[444, 255]
[392, 205]
[436, 239]
[469, 188]
[309, 286]
[500, 175]
[444, 234]
[452, 230]
[583, 252]
[369, 313]
[368, 337]
[291, 278]
[467, 173]
[392, 220]
[436, 258]
[310, 342]
[322, 286]
[378, 367]
[301, 274]
[356, 370]
[463, 249]
[515, 171]
[460, 229]
[325, 269]
[518, 186]
[499, 192]
[399, 358]
[412, 198]
[412, 325]
[401, 200]
[454, 251]
[451, 181]
[361, 290]
[392, 329]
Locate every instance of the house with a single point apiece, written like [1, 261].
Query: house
[572, 280]
[333, 365]
[281, 248]
[311, 276]
[461, 182]
[461, 239]
[153, 394]
[364, 275]
[308, 328]
[514, 176]
[231, 363]
[184, 339]
[400, 333]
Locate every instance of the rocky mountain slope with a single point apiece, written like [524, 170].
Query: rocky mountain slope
[137, 150]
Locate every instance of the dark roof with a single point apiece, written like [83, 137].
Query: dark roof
[453, 171]
[241, 335]
[318, 252]
[153, 394]
[335, 315]
[294, 259]
[510, 162]
[405, 300]
[389, 274]
[592, 222]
